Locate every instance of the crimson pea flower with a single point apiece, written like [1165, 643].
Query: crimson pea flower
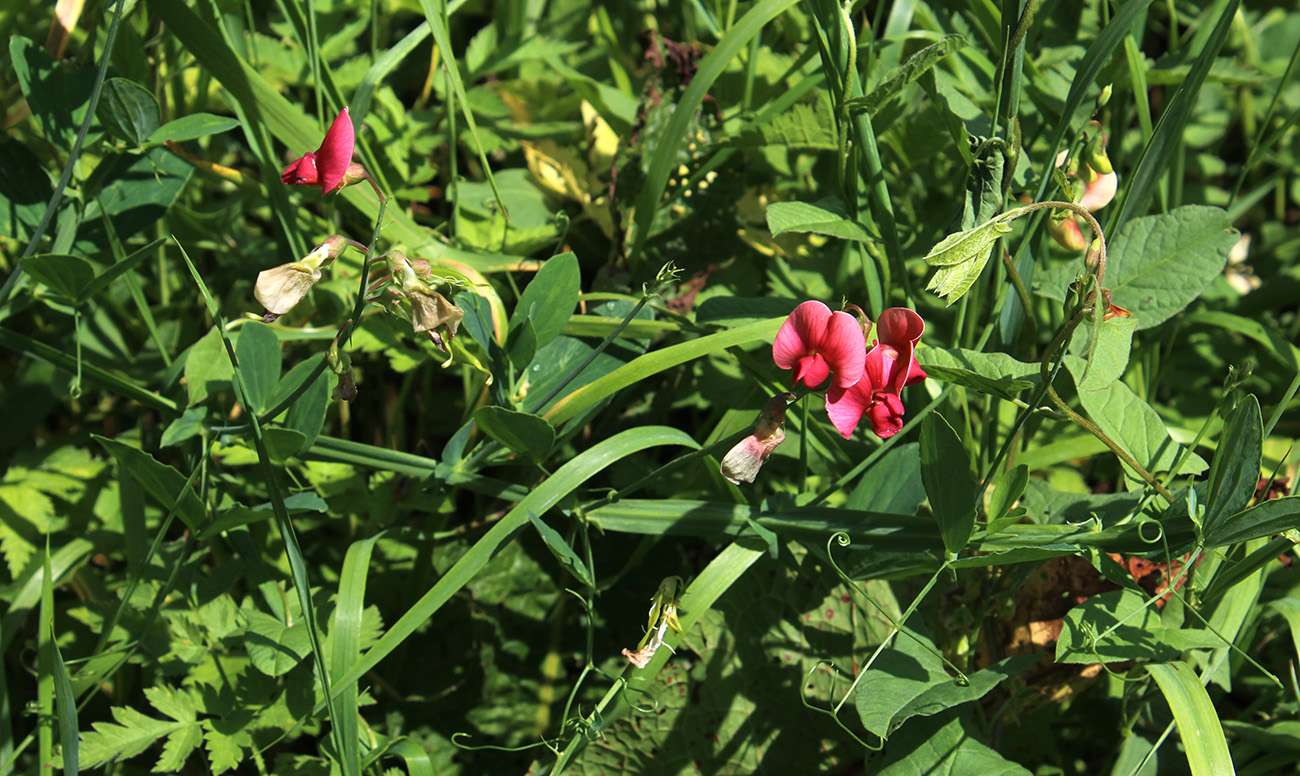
[890, 367]
[329, 165]
[816, 342]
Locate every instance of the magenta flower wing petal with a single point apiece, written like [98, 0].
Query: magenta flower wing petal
[800, 334]
[845, 348]
[335, 153]
[845, 406]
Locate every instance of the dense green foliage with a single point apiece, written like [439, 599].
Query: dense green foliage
[411, 515]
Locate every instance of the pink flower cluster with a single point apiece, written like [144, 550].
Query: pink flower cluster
[819, 344]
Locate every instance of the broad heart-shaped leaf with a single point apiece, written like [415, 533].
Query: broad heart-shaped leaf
[1157, 265]
[1132, 423]
[826, 216]
[550, 298]
[258, 352]
[66, 276]
[1234, 472]
[128, 110]
[945, 469]
[528, 435]
[997, 374]
[902, 76]
[56, 94]
[1271, 517]
[192, 127]
[1110, 352]
[907, 680]
[273, 647]
[562, 551]
[942, 746]
[157, 479]
[1140, 637]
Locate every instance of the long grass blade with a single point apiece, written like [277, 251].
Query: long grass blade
[1198, 723]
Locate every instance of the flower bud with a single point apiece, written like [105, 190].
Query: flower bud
[744, 460]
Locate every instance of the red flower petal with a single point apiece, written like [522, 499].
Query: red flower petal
[801, 333]
[301, 172]
[844, 348]
[335, 153]
[886, 415]
[811, 370]
[845, 406]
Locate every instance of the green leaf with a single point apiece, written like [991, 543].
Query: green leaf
[1195, 715]
[273, 647]
[307, 413]
[128, 110]
[942, 746]
[1109, 353]
[65, 275]
[525, 434]
[1271, 517]
[25, 189]
[908, 681]
[969, 245]
[1234, 473]
[1133, 424]
[1158, 265]
[892, 485]
[657, 361]
[307, 501]
[207, 368]
[131, 734]
[826, 216]
[138, 191]
[945, 469]
[1007, 490]
[522, 346]
[56, 94]
[804, 127]
[192, 127]
[550, 298]
[186, 427]
[258, 353]
[1133, 632]
[563, 552]
[65, 704]
[158, 480]
[961, 257]
[902, 76]
[996, 374]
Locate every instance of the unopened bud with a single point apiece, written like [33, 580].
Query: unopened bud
[1094, 254]
[743, 462]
